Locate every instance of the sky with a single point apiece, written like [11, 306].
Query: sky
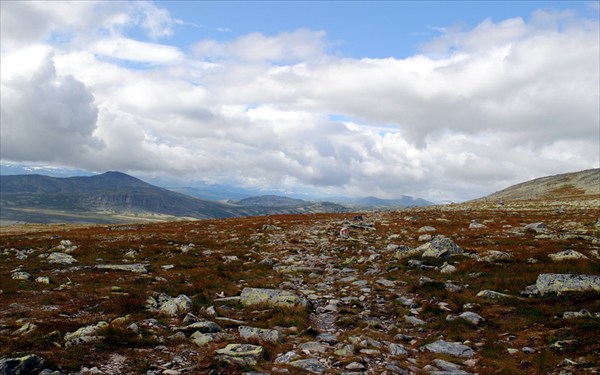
[446, 101]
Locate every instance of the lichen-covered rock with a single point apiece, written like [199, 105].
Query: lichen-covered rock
[469, 316]
[439, 247]
[202, 339]
[61, 258]
[174, 306]
[567, 255]
[577, 314]
[21, 275]
[25, 329]
[241, 354]
[538, 227]
[90, 330]
[274, 297]
[311, 365]
[29, 364]
[561, 283]
[451, 348]
[135, 268]
[268, 335]
[495, 256]
[490, 294]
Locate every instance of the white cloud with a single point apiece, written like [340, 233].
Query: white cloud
[132, 50]
[302, 44]
[476, 111]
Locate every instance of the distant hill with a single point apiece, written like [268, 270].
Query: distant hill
[111, 191]
[118, 197]
[378, 203]
[563, 186]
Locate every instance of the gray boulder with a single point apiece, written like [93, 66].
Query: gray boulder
[567, 255]
[29, 364]
[241, 354]
[136, 267]
[61, 258]
[439, 247]
[268, 335]
[451, 348]
[274, 297]
[561, 283]
[311, 365]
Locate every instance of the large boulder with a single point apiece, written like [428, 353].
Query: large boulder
[561, 283]
[439, 247]
[29, 364]
[274, 297]
[241, 354]
[451, 348]
[268, 335]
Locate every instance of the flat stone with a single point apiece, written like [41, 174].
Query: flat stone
[312, 347]
[355, 366]
[203, 327]
[576, 314]
[274, 297]
[241, 354]
[538, 227]
[451, 348]
[311, 365]
[413, 320]
[136, 267]
[560, 283]
[491, 256]
[567, 255]
[21, 275]
[90, 330]
[61, 258]
[397, 349]
[471, 317]
[387, 283]
[202, 339]
[490, 294]
[268, 335]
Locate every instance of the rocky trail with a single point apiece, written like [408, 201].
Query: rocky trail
[460, 289]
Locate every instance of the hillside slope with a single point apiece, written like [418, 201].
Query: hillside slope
[576, 185]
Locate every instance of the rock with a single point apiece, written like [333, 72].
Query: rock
[25, 329]
[172, 306]
[472, 317]
[447, 268]
[241, 354]
[203, 327]
[576, 314]
[446, 366]
[397, 349]
[451, 348]
[538, 227]
[385, 282]
[312, 347]
[491, 256]
[413, 320]
[136, 267]
[21, 275]
[475, 224]
[406, 252]
[490, 294]
[561, 283]
[42, 280]
[287, 357]
[202, 339]
[425, 237]
[268, 335]
[311, 365]
[355, 366]
[344, 350]
[85, 334]
[328, 338]
[426, 228]
[567, 255]
[29, 364]
[61, 258]
[439, 247]
[274, 297]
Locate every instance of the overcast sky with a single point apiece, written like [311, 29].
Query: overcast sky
[440, 100]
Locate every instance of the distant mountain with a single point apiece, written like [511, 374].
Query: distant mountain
[110, 196]
[563, 186]
[378, 203]
[111, 191]
[271, 201]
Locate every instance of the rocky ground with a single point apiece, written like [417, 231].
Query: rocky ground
[477, 288]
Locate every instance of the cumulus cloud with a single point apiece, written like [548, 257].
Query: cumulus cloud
[45, 117]
[477, 110]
